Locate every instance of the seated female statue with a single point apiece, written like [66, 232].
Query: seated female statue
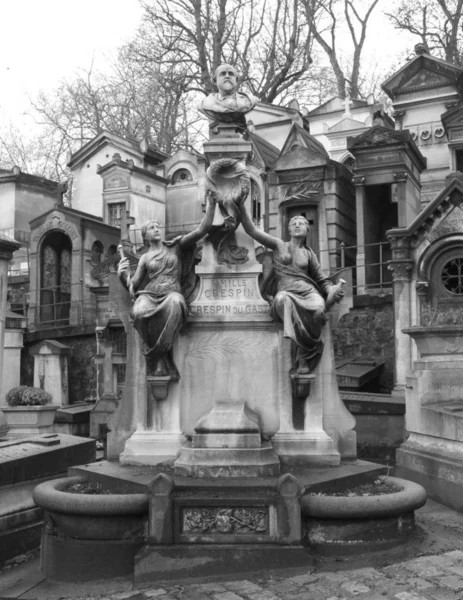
[303, 291]
[160, 310]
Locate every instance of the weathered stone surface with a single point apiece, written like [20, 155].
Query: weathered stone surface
[368, 332]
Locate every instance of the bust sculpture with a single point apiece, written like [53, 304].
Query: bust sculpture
[228, 105]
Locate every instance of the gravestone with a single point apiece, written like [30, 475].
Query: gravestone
[24, 464]
[51, 369]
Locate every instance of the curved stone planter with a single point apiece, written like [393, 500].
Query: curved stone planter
[336, 524]
[87, 536]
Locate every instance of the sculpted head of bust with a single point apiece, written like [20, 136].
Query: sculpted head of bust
[228, 105]
[225, 79]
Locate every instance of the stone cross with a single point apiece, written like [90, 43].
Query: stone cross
[347, 104]
[124, 222]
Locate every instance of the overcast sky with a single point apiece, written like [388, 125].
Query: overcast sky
[43, 41]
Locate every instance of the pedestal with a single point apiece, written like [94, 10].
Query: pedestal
[301, 439]
[227, 443]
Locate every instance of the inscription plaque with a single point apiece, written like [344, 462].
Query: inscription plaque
[229, 297]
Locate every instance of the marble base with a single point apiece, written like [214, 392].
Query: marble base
[306, 448]
[436, 464]
[227, 461]
[151, 448]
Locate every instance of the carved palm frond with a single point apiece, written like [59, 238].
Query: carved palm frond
[303, 190]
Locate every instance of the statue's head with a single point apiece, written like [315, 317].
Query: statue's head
[150, 231]
[226, 79]
[298, 226]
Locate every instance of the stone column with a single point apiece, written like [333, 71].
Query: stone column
[359, 182]
[401, 276]
[13, 343]
[7, 247]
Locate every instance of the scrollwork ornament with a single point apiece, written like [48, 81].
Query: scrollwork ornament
[401, 271]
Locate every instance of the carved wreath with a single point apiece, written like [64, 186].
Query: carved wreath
[224, 520]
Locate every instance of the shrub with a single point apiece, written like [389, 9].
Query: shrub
[23, 395]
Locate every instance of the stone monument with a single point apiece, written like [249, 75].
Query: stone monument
[225, 386]
[51, 369]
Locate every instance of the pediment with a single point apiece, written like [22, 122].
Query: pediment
[300, 157]
[421, 73]
[451, 222]
[441, 217]
[346, 124]
[116, 181]
[380, 136]
[425, 79]
[299, 137]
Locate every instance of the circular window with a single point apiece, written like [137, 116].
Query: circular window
[425, 134]
[439, 132]
[452, 276]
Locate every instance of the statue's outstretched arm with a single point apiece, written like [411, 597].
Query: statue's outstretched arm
[204, 226]
[260, 236]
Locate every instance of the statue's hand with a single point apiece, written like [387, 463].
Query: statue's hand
[335, 294]
[173, 242]
[213, 197]
[123, 267]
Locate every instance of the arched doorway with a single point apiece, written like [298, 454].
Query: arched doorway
[55, 279]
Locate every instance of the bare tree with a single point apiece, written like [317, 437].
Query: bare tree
[40, 154]
[436, 22]
[129, 100]
[267, 40]
[325, 17]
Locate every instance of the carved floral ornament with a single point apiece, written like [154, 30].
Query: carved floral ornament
[401, 270]
[225, 520]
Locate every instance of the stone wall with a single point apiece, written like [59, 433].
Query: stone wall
[368, 332]
[81, 367]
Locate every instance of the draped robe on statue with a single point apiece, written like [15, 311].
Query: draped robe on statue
[299, 303]
[160, 309]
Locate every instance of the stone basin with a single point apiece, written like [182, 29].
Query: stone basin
[89, 536]
[340, 524]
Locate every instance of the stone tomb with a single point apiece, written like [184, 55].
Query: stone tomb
[23, 465]
[230, 349]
